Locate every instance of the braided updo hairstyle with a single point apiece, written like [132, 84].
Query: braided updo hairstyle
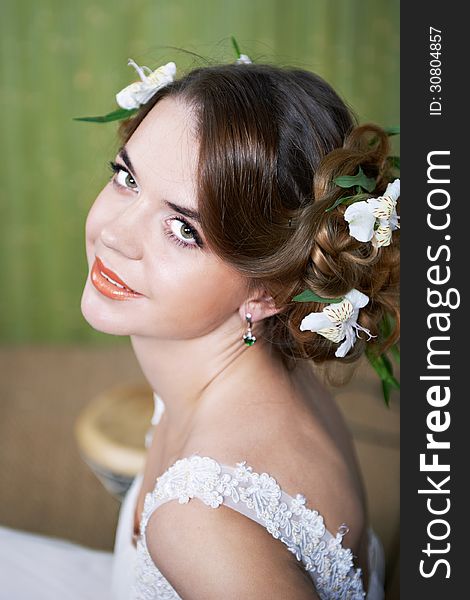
[272, 140]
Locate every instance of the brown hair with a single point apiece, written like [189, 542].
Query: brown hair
[272, 139]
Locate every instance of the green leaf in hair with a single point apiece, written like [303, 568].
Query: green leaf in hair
[395, 353]
[394, 161]
[347, 200]
[387, 363]
[117, 115]
[392, 130]
[386, 388]
[236, 47]
[383, 367]
[309, 296]
[360, 179]
[386, 325]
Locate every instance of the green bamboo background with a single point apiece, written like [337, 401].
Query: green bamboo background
[64, 59]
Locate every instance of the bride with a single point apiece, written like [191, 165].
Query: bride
[214, 222]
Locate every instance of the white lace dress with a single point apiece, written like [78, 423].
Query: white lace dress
[257, 496]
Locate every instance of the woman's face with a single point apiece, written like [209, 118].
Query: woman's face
[185, 290]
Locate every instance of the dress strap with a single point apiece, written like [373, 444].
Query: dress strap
[259, 497]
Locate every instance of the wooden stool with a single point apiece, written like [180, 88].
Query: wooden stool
[111, 433]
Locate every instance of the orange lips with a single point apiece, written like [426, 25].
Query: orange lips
[117, 290]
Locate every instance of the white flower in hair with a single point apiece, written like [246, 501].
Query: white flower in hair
[140, 92]
[338, 321]
[362, 216]
[244, 59]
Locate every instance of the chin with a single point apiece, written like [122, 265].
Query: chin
[99, 316]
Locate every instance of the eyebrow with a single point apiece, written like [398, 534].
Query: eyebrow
[125, 157]
[184, 210]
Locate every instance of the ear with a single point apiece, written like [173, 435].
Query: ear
[260, 307]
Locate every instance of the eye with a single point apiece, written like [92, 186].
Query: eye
[123, 177]
[183, 233]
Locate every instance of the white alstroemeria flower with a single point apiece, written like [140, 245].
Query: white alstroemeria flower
[338, 321]
[244, 59]
[140, 92]
[362, 216]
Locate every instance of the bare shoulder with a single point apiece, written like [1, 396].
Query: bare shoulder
[300, 439]
[224, 555]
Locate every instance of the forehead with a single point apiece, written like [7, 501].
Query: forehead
[164, 148]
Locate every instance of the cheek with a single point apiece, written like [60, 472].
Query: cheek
[197, 294]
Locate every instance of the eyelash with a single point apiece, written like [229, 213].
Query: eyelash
[193, 232]
[116, 167]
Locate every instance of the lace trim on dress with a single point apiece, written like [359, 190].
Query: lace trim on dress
[285, 517]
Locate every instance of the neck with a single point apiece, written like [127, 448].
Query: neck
[186, 372]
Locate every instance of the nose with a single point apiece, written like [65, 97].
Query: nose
[124, 233]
